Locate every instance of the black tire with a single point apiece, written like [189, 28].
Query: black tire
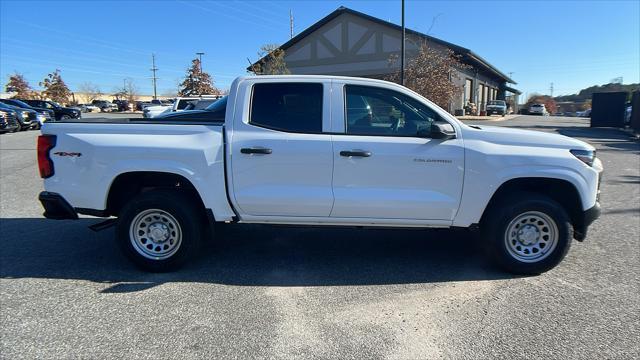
[184, 211]
[501, 215]
[65, 117]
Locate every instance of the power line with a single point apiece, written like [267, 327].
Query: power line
[155, 79]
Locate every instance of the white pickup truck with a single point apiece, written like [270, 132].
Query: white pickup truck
[320, 150]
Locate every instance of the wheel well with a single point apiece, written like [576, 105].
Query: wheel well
[561, 191]
[128, 185]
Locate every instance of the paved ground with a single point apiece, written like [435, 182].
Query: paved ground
[274, 292]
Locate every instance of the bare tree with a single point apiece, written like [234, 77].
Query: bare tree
[271, 61]
[90, 91]
[431, 73]
[129, 91]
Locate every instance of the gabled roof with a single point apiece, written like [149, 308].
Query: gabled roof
[466, 53]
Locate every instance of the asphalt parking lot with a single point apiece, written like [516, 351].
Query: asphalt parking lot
[277, 292]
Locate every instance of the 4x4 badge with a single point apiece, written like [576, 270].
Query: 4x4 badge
[64, 153]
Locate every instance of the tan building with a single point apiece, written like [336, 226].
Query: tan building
[83, 98]
[350, 43]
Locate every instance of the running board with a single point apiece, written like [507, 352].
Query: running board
[103, 225]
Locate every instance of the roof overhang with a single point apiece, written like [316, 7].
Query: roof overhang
[512, 90]
[482, 63]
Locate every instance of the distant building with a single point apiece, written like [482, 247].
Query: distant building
[350, 43]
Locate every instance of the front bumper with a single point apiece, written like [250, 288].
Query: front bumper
[56, 207]
[586, 218]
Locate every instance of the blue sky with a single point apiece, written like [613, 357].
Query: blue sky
[573, 44]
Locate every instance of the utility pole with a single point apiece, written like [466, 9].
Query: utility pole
[200, 59]
[290, 24]
[402, 49]
[155, 79]
[551, 89]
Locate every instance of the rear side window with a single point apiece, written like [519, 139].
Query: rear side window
[290, 107]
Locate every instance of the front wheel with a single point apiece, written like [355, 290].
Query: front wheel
[527, 234]
[159, 230]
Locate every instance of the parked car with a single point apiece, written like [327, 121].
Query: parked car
[123, 105]
[199, 104]
[8, 121]
[215, 112]
[497, 107]
[60, 112]
[88, 108]
[179, 104]
[288, 152]
[42, 114]
[585, 113]
[105, 106]
[538, 109]
[26, 118]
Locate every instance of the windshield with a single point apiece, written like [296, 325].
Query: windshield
[55, 104]
[20, 103]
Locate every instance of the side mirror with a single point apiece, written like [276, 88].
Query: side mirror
[439, 130]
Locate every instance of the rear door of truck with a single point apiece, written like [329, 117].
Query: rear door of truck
[281, 152]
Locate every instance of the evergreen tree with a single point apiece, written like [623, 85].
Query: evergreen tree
[55, 88]
[18, 84]
[197, 82]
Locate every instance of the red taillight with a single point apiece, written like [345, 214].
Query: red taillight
[45, 165]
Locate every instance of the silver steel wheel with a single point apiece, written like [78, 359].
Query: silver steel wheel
[531, 236]
[155, 234]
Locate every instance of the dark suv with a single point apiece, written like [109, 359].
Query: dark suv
[8, 121]
[42, 114]
[26, 118]
[123, 105]
[61, 113]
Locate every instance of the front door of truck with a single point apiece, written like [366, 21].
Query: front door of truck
[385, 164]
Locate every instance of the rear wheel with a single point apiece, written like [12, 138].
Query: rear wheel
[527, 233]
[65, 117]
[160, 230]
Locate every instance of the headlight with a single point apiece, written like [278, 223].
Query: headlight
[25, 114]
[586, 156]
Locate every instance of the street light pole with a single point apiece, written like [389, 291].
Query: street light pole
[200, 59]
[402, 49]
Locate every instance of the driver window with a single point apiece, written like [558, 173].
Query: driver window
[382, 112]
